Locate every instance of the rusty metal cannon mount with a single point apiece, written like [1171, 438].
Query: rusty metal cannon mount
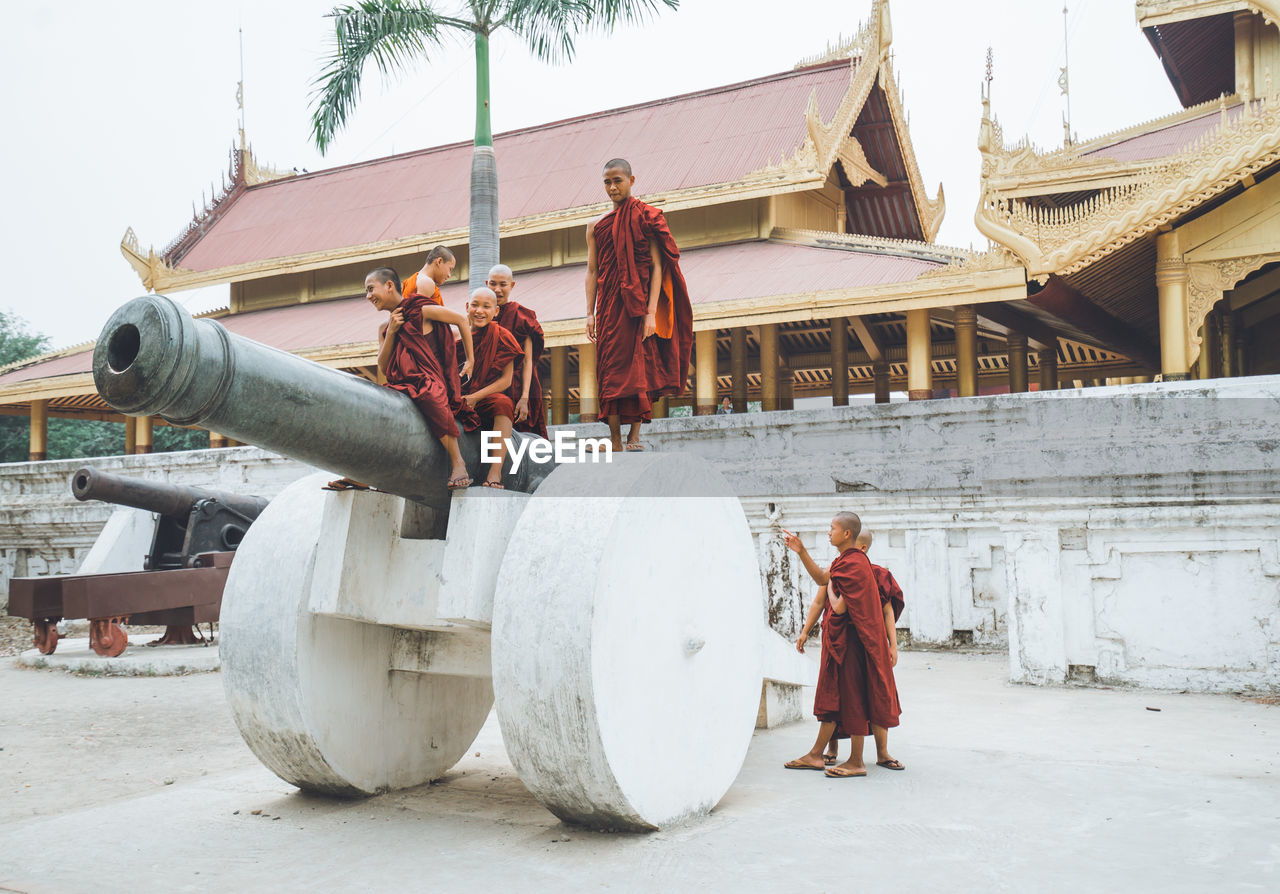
[615, 610]
[177, 584]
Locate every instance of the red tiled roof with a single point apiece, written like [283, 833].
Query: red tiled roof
[737, 271]
[713, 136]
[1165, 141]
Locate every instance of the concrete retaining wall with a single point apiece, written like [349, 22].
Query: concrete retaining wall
[1127, 535]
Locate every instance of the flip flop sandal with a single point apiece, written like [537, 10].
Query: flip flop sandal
[634, 448]
[828, 772]
[830, 760]
[796, 765]
[496, 485]
[343, 484]
[893, 764]
[458, 483]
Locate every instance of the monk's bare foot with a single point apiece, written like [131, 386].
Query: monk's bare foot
[847, 770]
[806, 762]
[617, 445]
[458, 478]
[889, 763]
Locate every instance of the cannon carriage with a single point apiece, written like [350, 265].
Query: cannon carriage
[612, 607]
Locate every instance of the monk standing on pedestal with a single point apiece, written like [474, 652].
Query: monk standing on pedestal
[856, 695]
[520, 321]
[638, 311]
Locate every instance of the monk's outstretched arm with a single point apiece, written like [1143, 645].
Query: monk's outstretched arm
[891, 628]
[453, 318]
[815, 609]
[592, 276]
[819, 574]
[498, 385]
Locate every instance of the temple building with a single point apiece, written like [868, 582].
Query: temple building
[807, 235]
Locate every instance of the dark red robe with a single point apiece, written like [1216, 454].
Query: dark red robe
[523, 323]
[495, 347]
[889, 589]
[855, 678]
[632, 371]
[425, 367]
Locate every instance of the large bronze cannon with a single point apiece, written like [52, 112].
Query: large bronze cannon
[614, 604]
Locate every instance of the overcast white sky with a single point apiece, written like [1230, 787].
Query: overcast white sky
[120, 114]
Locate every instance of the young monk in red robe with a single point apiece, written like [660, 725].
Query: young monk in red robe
[638, 310]
[892, 603]
[520, 321]
[419, 359]
[856, 690]
[435, 272]
[487, 393]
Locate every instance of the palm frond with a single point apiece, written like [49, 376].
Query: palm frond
[549, 27]
[392, 33]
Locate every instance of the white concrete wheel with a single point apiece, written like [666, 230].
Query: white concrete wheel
[626, 641]
[314, 696]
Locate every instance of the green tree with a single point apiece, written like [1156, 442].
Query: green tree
[396, 33]
[17, 343]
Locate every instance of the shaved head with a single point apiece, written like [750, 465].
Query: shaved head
[483, 292]
[863, 541]
[439, 253]
[850, 522]
[386, 274]
[501, 270]
[620, 163]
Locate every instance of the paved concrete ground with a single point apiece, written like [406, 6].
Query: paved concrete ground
[138, 660]
[142, 784]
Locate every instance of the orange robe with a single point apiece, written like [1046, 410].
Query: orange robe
[409, 288]
[633, 371]
[856, 687]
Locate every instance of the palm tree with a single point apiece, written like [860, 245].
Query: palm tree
[396, 33]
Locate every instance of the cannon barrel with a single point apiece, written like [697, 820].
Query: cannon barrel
[173, 500]
[154, 359]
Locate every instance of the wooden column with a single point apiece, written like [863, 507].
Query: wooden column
[142, 439]
[1017, 347]
[705, 381]
[880, 375]
[39, 447]
[919, 355]
[769, 393]
[1048, 358]
[786, 385]
[559, 385]
[588, 393]
[966, 350]
[130, 435]
[1207, 363]
[738, 367]
[839, 362]
[1229, 365]
[217, 441]
[1171, 287]
[662, 408]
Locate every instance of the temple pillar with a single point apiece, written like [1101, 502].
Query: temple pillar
[217, 441]
[559, 385]
[1244, 54]
[142, 438]
[738, 367]
[769, 394]
[1017, 353]
[588, 392]
[919, 355]
[1048, 358]
[705, 384]
[662, 408]
[966, 319]
[839, 362]
[39, 446]
[880, 376]
[1229, 365]
[1210, 348]
[1171, 286]
[786, 385]
[130, 434]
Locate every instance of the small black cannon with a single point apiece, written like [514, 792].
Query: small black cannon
[194, 538]
[191, 520]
